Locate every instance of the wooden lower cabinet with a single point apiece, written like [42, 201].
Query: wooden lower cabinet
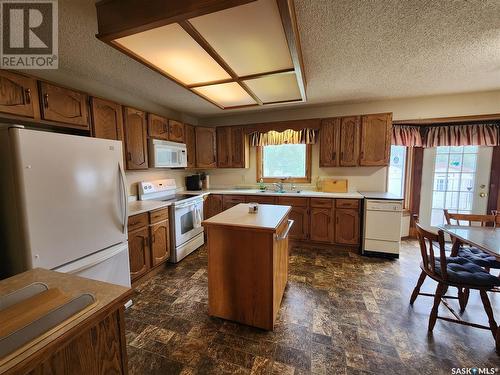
[212, 205]
[148, 241]
[139, 255]
[347, 226]
[322, 225]
[229, 201]
[160, 244]
[300, 216]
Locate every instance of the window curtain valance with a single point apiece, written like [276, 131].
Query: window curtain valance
[289, 136]
[446, 135]
[409, 136]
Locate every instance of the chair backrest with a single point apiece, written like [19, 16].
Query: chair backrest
[456, 219]
[426, 240]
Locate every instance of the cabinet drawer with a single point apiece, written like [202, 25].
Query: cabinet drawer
[322, 202]
[158, 215]
[294, 202]
[260, 199]
[137, 221]
[234, 198]
[347, 203]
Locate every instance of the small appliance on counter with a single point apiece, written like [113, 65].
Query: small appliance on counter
[193, 182]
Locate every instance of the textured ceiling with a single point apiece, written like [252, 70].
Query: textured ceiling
[354, 50]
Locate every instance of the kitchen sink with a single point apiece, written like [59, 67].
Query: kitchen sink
[281, 192]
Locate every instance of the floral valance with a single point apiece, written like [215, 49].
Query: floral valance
[289, 136]
[446, 135]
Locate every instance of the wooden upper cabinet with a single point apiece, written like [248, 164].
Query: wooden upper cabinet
[349, 141]
[160, 245]
[107, 119]
[18, 95]
[139, 255]
[206, 147]
[322, 227]
[64, 105]
[190, 145]
[239, 148]
[347, 226]
[135, 138]
[224, 147]
[157, 127]
[176, 131]
[329, 142]
[375, 139]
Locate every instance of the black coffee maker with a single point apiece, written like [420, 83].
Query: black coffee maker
[193, 182]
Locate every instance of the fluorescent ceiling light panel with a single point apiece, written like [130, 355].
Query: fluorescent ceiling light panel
[226, 94]
[275, 87]
[250, 37]
[172, 50]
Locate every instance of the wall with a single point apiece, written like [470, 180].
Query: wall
[359, 178]
[362, 178]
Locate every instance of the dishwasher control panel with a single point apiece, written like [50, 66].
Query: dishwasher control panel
[379, 205]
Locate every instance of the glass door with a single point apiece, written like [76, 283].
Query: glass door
[455, 178]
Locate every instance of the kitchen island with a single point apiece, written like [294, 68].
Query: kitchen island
[248, 263]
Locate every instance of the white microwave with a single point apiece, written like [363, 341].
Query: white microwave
[164, 154]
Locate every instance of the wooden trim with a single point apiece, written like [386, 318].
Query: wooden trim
[441, 120]
[306, 179]
[119, 18]
[242, 78]
[494, 189]
[289, 21]
[416, 182]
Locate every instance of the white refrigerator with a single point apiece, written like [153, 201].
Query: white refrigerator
[64, 205]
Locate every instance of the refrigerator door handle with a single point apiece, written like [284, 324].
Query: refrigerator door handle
[81, 266]
[124, 198]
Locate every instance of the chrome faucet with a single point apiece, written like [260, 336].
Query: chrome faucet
[280, 186]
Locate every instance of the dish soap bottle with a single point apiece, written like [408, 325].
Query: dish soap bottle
[262, 187]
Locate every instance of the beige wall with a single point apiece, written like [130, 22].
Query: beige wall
[133, 177]
[359, 178]
[363, 178]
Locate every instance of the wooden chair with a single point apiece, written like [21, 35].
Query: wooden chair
[461, 275]
[482, 220]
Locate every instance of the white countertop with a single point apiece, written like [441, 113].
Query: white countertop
[268, 217]
[139, 207]
[302, 194]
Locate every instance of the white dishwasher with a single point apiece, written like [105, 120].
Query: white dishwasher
[382, 227]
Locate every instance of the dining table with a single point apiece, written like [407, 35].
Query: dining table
[486, 239]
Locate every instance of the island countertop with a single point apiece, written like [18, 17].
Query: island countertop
[268, 217]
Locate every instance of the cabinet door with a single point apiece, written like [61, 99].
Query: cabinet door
[206, 148]
[212, 205]
[322, 228]
[224, 147]
[349, 141]
[135, 138]
[160, 245]
[64, 105]
[190, 145]
[239, 148]
[260, 199]
[300, 228]
[329, 142]
[175, 131]
[139, 256]
[157, 127]
[229, 201]
[375, 139]
[347, 226]
[18, 95]
[107, 119]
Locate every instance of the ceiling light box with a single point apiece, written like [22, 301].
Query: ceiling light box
[234, 54]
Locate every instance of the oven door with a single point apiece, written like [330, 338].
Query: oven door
[188, 218]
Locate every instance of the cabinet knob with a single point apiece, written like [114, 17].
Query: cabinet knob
[129, 156]
[46, 100]
[27, 94]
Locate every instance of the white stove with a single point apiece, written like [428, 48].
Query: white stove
[185, 216]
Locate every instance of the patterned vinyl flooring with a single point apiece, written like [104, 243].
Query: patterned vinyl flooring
[342, 313]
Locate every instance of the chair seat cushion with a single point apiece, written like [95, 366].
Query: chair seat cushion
[462, 271]
[478, 257]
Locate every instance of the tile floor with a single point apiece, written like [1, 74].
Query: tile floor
[341, 314]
